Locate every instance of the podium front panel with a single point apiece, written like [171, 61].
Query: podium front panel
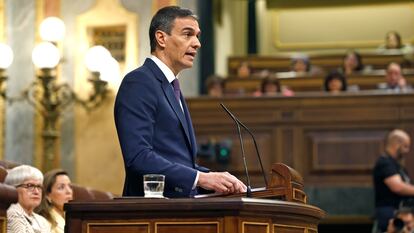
[210, 215]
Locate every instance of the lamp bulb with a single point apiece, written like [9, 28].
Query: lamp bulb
[45, 55]
[6, 56]
[96, 58]
[111, 71]
[52, 29]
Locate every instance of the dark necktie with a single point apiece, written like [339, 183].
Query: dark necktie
[177, 91]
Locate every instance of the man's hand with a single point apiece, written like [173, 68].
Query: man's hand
[221, 182]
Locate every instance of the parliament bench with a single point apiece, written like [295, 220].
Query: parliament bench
[300, 83]
[282, 63]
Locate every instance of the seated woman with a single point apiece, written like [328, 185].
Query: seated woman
[270, 86]
[393, 43]
[352, 63]
[244, 70]
[301, 65]
[335, 82]
[20, 216]
[215, 86]
[57, 191]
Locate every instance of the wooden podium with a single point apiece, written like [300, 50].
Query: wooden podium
[231, 214]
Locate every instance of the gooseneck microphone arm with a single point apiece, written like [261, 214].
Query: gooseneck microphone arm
[254, 140]
[257, 149]
[249, 189]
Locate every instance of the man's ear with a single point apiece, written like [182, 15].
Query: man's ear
[160, 36]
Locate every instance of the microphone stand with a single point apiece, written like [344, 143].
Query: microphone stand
[257, 149]
[249, 189]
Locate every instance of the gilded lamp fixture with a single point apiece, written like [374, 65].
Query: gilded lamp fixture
[50, 98]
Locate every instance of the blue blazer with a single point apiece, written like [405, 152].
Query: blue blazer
[155, 135]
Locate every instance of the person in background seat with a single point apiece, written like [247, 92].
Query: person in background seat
[335, 82]
[394, 44]
[21, 216]
[270, 86]
[301, 65]
[215, 86]
[394, 80]
[352, 63]
[57, 191]
[244, 70]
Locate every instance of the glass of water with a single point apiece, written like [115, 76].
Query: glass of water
[154, 185]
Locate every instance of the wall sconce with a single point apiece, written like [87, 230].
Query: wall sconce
[6, 59]
[50, 98]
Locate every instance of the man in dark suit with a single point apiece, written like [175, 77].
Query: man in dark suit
[152, 119]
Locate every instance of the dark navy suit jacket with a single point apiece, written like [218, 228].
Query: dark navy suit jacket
[155, 135]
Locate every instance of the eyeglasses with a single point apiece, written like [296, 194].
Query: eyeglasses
[30, 187]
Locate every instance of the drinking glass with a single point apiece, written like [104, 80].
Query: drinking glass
[154, 185]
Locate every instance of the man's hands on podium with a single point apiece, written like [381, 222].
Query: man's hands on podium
[221, 182]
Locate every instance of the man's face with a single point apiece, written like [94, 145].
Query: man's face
[408, 219]
[405, 145]
[393, 75]
[182, 44]
[403, 148]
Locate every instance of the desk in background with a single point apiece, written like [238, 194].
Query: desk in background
[331, 140]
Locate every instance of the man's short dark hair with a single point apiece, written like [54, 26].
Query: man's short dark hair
[163, 20]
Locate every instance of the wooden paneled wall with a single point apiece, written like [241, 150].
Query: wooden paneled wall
[330, 140]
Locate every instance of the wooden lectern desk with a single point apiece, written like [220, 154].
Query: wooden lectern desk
[230, 214]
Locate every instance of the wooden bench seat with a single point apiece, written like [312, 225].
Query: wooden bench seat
[367, 81]
[281, 63]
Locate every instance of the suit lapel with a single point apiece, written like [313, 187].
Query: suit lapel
[190, 126]
[169, 93]
[175, 105]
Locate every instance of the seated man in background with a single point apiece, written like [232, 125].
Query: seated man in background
[394, 80]
[391, 181]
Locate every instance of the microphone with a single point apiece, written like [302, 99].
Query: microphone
[239, 123]
[249, 188]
